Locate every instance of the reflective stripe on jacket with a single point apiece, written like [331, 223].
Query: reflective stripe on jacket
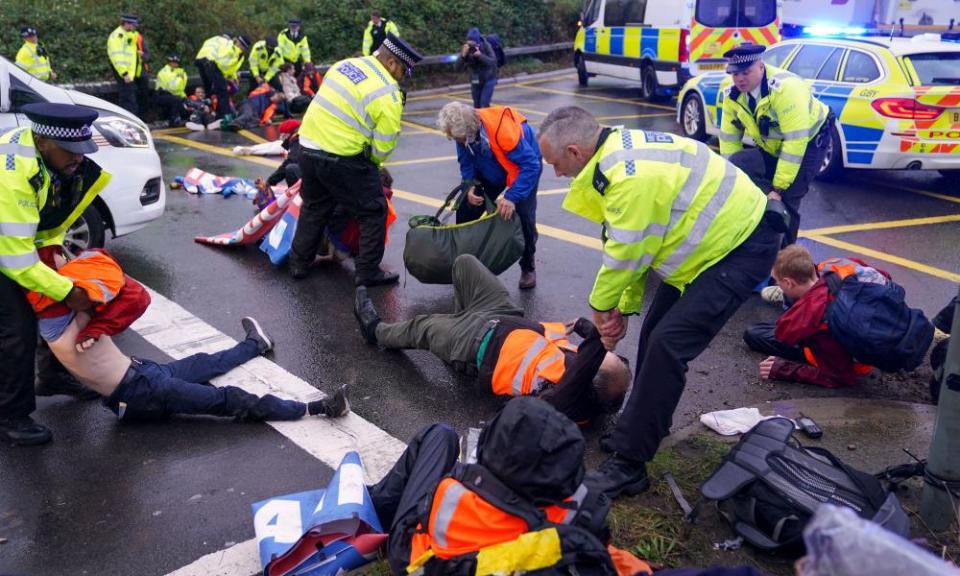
[356, 110]
[665, 202]
[224, 53]
[368, 41]
[25, 191]
[293, 51]
[787, 116]
[29, 58]
[172, 80]
[528, 360]
[122, 51]
[263, 62]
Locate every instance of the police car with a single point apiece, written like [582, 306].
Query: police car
[897, 101]
[135, 195]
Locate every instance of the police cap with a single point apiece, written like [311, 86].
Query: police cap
[66, 124]
[28, 31]
[243, 40]
[130, 19]
[743, 57]
[173, 58]
[403, 51]
[293, 22]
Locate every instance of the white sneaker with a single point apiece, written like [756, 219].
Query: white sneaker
[215, 125]
[772, 294]
[194, 126]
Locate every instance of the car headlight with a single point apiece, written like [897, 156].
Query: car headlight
[123, 133]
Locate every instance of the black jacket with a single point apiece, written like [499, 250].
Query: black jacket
[482, 63]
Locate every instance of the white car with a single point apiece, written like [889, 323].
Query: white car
[135, 195]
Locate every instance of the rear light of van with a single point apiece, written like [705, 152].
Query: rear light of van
[684, 45]
[905, 109]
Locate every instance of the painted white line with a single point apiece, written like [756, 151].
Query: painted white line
[178, 334]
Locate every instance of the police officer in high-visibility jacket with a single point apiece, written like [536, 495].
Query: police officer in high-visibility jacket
[45, 184]
[671, 205]
[126, 61]
[219, 61]
[349, 130]
[33, 56]
[172, 91]
[265, 61]
[789, 125]
[293, 45]
[376, 32]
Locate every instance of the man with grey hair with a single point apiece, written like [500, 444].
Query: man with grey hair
[500, 160]
[668, 204]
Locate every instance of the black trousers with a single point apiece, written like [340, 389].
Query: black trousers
[215, 84]
[353, 183]
[761, 338]
[126, 94]
[171, 107]
[526, 210]
[429, 456]
[761, 166]
[676, 329]
[18, 346]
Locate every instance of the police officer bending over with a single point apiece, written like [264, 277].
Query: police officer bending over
[790, 127]
[349, 130]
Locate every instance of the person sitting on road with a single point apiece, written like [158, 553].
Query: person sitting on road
[486, 335]
[296, 102]
[499, 160]
[799, 345]
[201, 110]
[310, 80]
[258, 109]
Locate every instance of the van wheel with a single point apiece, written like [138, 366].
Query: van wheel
[649, 87]
[693, 122]
[832, 167]
[89, 231]
[582, 77]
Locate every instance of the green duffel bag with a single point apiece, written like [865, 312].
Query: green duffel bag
[432, 246]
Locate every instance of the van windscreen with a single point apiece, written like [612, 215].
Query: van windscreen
[736, 13]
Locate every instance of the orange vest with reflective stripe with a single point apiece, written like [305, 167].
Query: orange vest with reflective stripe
[527, 358]
[504, 127]
[95, 272]
[842, 267]
[461, 522]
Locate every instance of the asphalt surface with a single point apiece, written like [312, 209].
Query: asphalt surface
[121, 499]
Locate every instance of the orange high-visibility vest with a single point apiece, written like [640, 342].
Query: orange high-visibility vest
[504, 127]
[95, 272]
[528, 358]
[461, 522]
[842, 267]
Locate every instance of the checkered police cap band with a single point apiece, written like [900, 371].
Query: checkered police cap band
[745, 58]
[399, 53]
[72, 134]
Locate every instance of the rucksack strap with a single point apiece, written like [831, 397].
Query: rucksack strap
[869, 486]
[453, 194]
[482, 482]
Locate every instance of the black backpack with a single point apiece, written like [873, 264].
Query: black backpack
[769, 486]
[873, 322]
[497, 45]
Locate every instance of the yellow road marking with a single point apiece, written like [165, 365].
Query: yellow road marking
[593, 97]
[419, 161]
[927, 193]
[162, 131]
[251, 136]
[635, 116]
[421, 127]
[217, 150]
[883, 225]
[869, 252]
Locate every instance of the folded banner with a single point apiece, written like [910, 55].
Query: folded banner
[320, 532]
[259, 225]
[197, 181]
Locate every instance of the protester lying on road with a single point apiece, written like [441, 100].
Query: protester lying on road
[487, 335]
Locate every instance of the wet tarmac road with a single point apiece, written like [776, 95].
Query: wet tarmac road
[905, 223]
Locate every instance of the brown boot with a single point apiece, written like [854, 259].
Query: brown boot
[528, 280]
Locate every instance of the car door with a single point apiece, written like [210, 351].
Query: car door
[8, 119]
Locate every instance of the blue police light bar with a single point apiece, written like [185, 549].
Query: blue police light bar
[827, 30]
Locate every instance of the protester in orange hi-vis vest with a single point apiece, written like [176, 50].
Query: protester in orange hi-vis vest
[499, 162]
[487, 336]
[517, 505]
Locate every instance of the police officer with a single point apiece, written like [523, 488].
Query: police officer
[172, 91]
[45, 186]
[790, 127]
[33, 56]
[349, 130]
[668, 204]
[265, 61]
[294, 46]
[126, 61]
[219, 61]
[376, 32]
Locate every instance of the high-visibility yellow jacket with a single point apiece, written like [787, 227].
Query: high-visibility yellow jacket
[790, 111]
[224, 53]
[33, 216]
[665, 202]
[293, 51]
[389, 28]
[264, 62]
[172, 80]
[123, 52]
[357, 110]
[34, 60]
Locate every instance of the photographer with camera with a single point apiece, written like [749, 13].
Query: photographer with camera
[477, 54]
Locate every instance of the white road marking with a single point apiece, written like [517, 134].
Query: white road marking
[178, 333]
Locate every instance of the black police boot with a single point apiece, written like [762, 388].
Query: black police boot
[366, 315]
[24, 431]
[380, 278]
[335, 406]
[618, 475]
[255, 330]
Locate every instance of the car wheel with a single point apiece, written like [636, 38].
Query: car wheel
[832, 166]
[649, 87]
[582, 77]
[89, 231]
[692, 119]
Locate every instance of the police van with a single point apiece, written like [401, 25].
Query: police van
[662, 43]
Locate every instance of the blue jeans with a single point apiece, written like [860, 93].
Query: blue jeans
[482, 92]
[152, 391]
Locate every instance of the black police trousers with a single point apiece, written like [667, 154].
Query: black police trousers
[215, 84]
[18, 347]
[526, 211]
[429, 456]
[676, 329]
[352, 182]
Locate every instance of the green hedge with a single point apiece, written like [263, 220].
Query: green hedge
[75, 31]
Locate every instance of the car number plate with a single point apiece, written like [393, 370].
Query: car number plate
[717, 66]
